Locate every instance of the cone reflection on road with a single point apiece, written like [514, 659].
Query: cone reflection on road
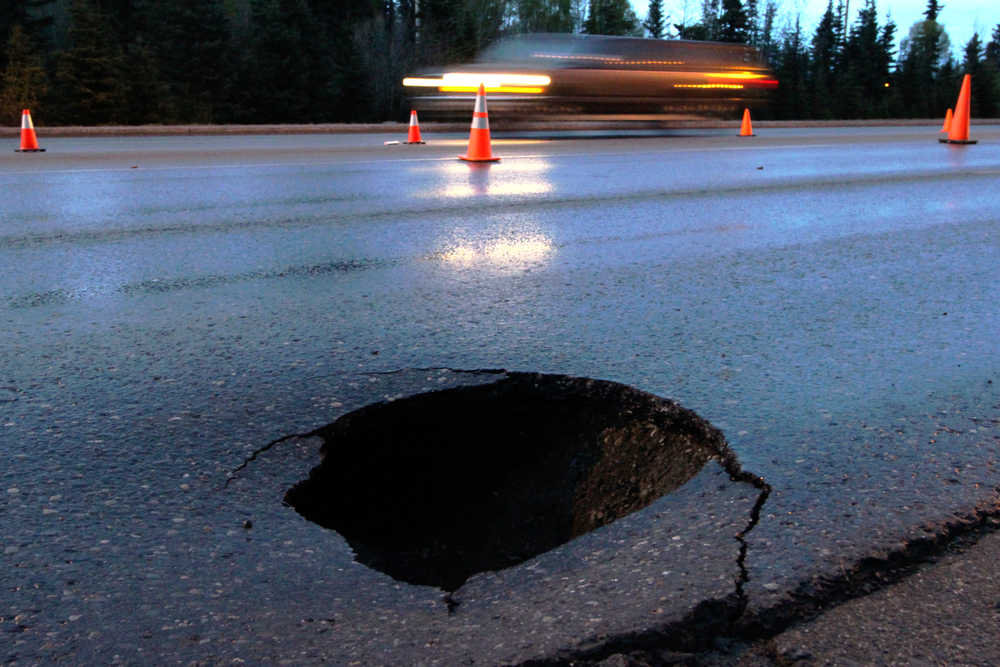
[29, 142]
[479, 134]
[958, 133]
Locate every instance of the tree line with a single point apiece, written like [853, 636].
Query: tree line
[852, 70]
[88, 62]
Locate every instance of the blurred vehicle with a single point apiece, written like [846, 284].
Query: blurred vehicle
[549, 75]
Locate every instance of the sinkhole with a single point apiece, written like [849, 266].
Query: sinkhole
[434, 488]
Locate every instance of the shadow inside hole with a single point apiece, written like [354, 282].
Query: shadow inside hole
[439, 486]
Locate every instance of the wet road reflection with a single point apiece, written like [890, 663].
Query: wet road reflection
[834, 312]
[508, 253]
[463, 180]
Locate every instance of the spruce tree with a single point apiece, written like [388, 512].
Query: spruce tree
[543, 16]
[840, 21]
[456, 30]
[695, 32]
[887, 56]
[11, 14]
[926, 72]
[23, 83]
[825, 55]
[383, 46]
[195, 58]
[887, 44]
[146, 94]
[933, 9]
[655, 21]
[984, 83]
[862, 92]
[732, 22]
[277, 86]
[340, 69]
[710, 11]
[610, 17]
[753, 23]
[90, 74]
[946, 88]
[792, 70]
[36, 18]
[990, 76]
[993, 48]
[768, 44]
[973, 54]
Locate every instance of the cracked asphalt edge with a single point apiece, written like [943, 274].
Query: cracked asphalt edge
[867, 575]
[701, 634]
[232, 474]
[698, 631]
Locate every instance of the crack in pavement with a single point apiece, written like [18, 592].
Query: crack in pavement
[873, 573]
[315, 432]
[698, 635]
[765, 492]
[699, 631]
[260, 450]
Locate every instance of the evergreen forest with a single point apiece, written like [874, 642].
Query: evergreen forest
[100, 62]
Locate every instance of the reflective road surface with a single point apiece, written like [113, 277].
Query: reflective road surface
[826, 297]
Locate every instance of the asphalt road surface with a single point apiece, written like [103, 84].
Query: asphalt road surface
[172, 306]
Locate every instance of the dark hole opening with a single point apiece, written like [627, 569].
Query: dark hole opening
[436, 487]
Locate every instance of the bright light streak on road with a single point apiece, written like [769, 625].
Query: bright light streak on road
[518, 177]
[503, 253]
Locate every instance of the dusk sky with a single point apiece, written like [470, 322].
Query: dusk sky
[959, 17]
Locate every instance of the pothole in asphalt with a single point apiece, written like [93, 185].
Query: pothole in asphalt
[434, 488]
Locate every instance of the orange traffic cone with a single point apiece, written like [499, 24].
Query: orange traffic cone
[479, 134]
[947, 122]
[29, 142]
[414, 135]
[746, 129]
[958, 133]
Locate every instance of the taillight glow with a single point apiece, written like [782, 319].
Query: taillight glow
[743, 76]
[733, 86]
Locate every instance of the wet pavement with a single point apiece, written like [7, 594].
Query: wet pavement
[172, 306]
